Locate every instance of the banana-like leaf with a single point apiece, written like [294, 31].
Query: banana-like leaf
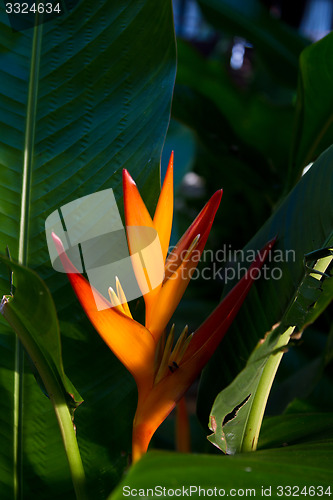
[296, 428]
[297, 468]
[81, 97]
[303, 223]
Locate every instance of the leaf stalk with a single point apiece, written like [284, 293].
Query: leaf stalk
[253, 426]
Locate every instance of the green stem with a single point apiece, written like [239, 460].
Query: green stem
[253, 426]
[17, 418]
[70, 444]
[29, 141]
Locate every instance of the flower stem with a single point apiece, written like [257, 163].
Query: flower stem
[70, 444]
[253, 426]
[140, 440]
[183, 440]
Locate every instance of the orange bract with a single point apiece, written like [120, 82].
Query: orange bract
[162, 300]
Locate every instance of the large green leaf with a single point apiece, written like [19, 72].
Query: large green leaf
[32, 314]
[303, 223]
[297, 428]
[301, 466]
[314, 117]
[103, 104]
[81, 97]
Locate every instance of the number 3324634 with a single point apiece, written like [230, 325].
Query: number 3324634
[25, 8]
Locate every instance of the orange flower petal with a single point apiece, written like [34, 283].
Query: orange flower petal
[136, 213]
[164, 210]
[163, 224]
[131, 342]
[178, 272]
[145, 249]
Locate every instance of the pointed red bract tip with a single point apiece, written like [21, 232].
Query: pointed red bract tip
[58, 243]
[201, 225]
[272, 242]
[59, 247]
[127, 178]
[68, 266]
[211, 206]
[216, 199]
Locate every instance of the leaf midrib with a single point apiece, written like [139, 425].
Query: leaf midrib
[29, 140]
[28, 153]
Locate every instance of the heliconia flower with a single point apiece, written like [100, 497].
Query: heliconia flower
[162, 371]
